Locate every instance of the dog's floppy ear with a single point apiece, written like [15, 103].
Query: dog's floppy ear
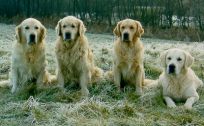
[58, 28]
[163, 58]
[116, 30]
[43, 32]
[139, 29]
[188, 60]
[82, 28]
[18, 33]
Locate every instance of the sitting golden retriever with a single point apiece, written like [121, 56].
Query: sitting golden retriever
[28, 56]
[178, 80]
[128, 55]
[74, 56]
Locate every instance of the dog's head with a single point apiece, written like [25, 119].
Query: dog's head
[30, 31]
[70, 28]
[128, 30]
[176, 61]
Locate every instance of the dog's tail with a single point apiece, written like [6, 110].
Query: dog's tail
[148, 83]
[97, 75]
[108, 75]
[50, 79]
[5, 83]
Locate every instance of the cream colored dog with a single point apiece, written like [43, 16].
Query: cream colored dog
[74, 56]
[128, 55]
[178, 80]
[28, 56]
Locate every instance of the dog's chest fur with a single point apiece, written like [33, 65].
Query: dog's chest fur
[129, 60]
[175, 88]
[128, 64]
[28, 62]
[69, 59]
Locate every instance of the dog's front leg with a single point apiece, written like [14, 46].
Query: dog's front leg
[190, 101]
[60, 78]
[169, 102]
[40, 78]
[117, 76]
[84, 80]
[192, 96]
[139, 80]
[14, 79]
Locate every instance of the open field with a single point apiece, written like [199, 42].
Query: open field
[105, 106]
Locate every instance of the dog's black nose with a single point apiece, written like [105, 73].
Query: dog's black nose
[126, 37]
[32, 38]
[67, 35]
[172, 68]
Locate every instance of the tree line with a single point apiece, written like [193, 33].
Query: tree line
[152, 13]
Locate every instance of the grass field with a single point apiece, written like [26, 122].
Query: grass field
[105, 106]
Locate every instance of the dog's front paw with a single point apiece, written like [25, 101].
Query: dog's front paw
[13, 89]
[119, 89]
[139, 91]
[171, 105]
[85, 92]
[187, 106]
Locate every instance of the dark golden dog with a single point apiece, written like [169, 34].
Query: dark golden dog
[74, 56]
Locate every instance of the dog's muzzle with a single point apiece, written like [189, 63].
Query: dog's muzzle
[172, 68]
[32, 39]
[126, 37]
[67, 36]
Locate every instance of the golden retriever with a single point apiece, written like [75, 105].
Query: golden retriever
[128, 55]
[74, 56]
[28, 56]
[178, 80]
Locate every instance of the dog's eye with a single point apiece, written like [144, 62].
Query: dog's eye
[73, 26]
[122, 27]
[131, 27]
[169, 58]
[26, 27]
[179, 59]
[36, 27]
[64, 26]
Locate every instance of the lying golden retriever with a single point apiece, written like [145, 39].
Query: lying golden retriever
[28, 56]
[128, 55]
[74, 56]
[178, 80]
